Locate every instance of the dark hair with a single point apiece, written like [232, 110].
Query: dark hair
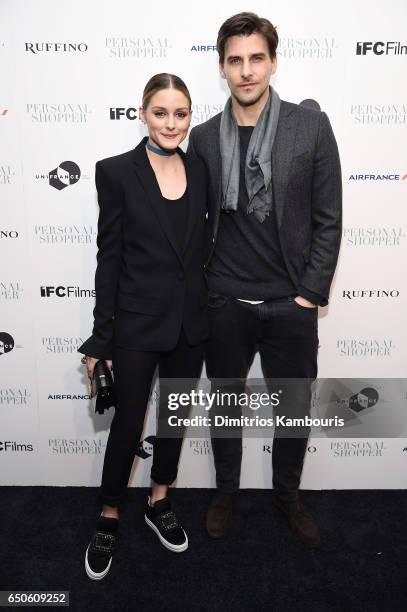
[164, 80]
[246, 24]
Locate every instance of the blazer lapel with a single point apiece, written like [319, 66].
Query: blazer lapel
[150, 185]
[192, 201]
[281, 156]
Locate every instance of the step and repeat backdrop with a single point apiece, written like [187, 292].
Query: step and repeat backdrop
[72, 75]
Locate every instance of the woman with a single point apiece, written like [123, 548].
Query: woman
[150, 301]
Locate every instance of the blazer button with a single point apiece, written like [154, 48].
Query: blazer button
[181, 276]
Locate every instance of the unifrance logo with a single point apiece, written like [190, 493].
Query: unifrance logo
[145, 448]
[381, 48]
[366, 398]
[67, 173]
[6, 343]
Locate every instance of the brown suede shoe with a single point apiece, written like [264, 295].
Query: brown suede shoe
[300, 521]
[219, 515]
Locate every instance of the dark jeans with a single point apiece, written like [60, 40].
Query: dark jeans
[286, 336]
[133, 373]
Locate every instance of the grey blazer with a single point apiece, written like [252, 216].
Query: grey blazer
[307, 191]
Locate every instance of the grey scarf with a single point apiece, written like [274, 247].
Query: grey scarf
[258, 173]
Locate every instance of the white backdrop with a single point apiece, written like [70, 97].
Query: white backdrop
[72, 75]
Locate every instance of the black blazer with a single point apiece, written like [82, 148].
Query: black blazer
[307, 192]
[146, 285]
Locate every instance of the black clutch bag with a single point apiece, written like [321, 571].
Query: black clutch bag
[103, 391]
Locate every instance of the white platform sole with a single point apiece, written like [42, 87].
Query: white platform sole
[93, 575]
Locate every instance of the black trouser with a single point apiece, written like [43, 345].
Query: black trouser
[286, 336]
[133, 373]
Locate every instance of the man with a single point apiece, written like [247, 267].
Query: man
[275, 216]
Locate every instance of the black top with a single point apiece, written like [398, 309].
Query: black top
[247, 262]
[178, 214]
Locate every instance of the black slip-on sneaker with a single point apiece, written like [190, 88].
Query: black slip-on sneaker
[98, 557]
[162, 520]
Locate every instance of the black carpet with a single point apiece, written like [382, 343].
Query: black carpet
[360, 565]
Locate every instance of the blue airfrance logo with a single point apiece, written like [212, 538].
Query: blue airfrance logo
[378, 177]
[203, 48]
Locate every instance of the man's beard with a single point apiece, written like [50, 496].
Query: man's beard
[247, 103]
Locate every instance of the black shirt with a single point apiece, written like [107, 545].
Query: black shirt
[177, 211]
[247, 262]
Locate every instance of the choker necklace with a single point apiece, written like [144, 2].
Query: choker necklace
[160, 151]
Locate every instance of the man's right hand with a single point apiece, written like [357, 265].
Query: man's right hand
[92, 361]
